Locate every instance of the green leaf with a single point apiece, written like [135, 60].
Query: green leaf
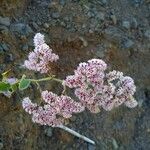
[24, 83]
[4, 86]
[13, 87]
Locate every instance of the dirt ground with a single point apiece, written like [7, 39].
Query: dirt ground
[77, 30]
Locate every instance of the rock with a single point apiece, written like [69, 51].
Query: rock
[1, 50]
[55, 15]
[114, 19]
[115, 145]
[126, 24]
[113, 34]
[134, 23]
[62, 2]
[100, 16]
[48, 132]
[91, 147]
[25, 47]
[90, 14]
[5, 47]
[35, 26]
[147, 34]
[8, 58]
[85, 43]
[21, 28]
[127, 43]
[1, 145]
[46, 25]
[5, 21]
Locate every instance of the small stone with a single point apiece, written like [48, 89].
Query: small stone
[25, 47]
[5, 47]
[134, 23]
[8, 58]
[114, 19]
[1, 50]
[62, 2]
[46, 25]
[126, 24]
[21, 28]
[147, 34]
[100, 16]
[48, 132]
[91, 147]
[62, 24]
[85, 43]
[1, 145]
[115, 145]
[35, 26]
[127, 43]
[5, 21]
[55, 15]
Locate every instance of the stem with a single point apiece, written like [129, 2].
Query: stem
[76, 134]
[45, 79]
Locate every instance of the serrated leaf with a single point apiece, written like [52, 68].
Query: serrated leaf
[24, 83]
[4, 86]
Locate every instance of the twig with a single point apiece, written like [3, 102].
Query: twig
[76, 134]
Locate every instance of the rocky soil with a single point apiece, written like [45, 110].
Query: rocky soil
[77, 30]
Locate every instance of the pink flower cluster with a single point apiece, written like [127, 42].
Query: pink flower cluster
[55, 109]
[95, 88]
[40, 58]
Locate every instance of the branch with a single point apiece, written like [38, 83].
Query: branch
[76, 134]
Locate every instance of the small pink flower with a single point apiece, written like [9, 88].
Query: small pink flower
[40, 59]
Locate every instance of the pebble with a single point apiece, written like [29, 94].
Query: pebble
[85, 43]
[147, 34]
[25, 47]
[1, 145]
[48, 132]
[62, 2]
[8, 58]
[91, 147]
[5, 47]
[134, 23]
[115, 145]
[46, 25]
[55, 15]
[100, 16]
[35, 26]
[21, 28]
[127, 43]
[114, 19]
[5, 21]
[126, 24]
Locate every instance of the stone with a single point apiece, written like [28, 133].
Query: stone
[48, 132]
[114, 19]
[5, 21]
[147, 34]
[134, 23]
[5, 47]
[25, 47]
[127, 43]
[91, 147]
[115, 144]
[1, 145]
[21, 28]
[126, 24]
[62, 2]
[9, 58]
[55, 15]
[113, 34]
[46, 25]
[100, 16]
